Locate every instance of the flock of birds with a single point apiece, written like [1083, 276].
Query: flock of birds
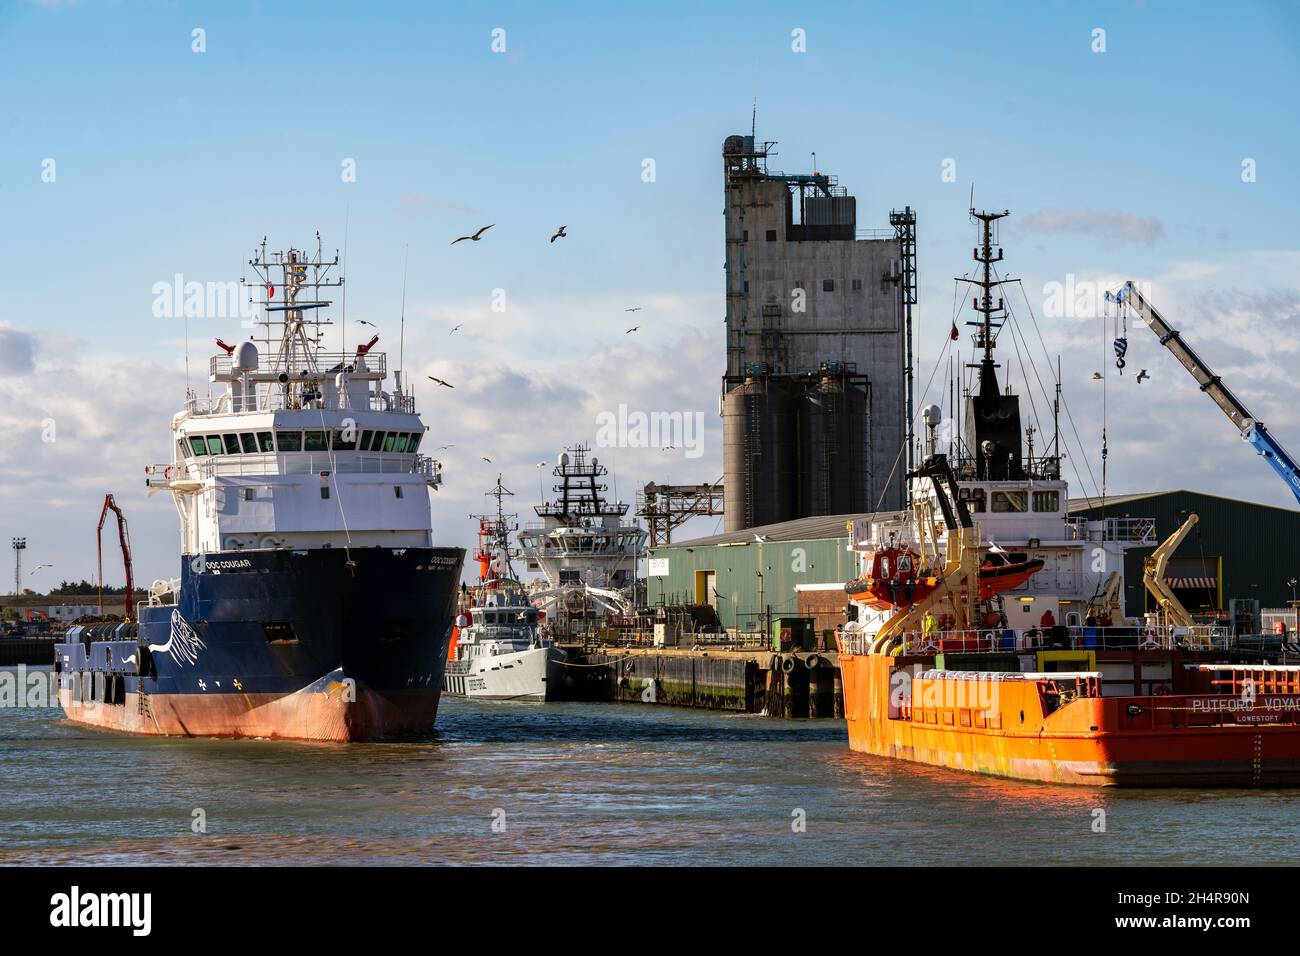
[560, 233]
[1142, 376]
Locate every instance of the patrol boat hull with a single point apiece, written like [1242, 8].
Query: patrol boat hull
[534, 675]
[322, 644]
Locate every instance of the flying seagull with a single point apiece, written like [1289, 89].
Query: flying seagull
[453, 331]
[1142, 375]
[474, 238]
[443, 447]
[631, 330]
[635, 308]
[441, 382]
[486, 459]
[1096, 375]
[560, 233]
[364, 322]
[760, 538]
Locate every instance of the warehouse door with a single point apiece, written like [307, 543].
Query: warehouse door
[706, 588]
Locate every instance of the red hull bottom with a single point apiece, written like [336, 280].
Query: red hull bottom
[328, 710]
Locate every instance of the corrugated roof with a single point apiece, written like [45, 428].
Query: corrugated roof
[1085, 504]
[801, 529]
[1089, 504]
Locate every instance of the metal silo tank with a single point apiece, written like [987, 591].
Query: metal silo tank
[760, 453]
[832, 447]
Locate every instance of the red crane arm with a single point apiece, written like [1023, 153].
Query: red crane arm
[124, 539]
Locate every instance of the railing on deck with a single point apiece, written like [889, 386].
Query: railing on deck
[1134, 530]
[302, 463]
[376, 364]
[275, 400]
[1013, 640]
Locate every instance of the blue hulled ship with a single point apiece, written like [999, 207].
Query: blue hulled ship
[311, 603]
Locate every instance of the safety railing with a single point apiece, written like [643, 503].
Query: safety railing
[306, 463]
[1126, 529]
[376, 364]
[1015, 640]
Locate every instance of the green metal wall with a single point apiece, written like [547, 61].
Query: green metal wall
[783, 565]
[1259, 545]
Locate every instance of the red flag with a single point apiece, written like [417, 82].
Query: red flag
[954, 334]
[270, 290]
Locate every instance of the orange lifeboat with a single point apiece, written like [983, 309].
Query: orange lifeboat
[896, 580]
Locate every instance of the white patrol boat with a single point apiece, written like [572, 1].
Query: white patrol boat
[500, 650]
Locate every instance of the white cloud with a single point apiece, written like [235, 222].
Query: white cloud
[111, 416]
[17, 351]
[1113, 226]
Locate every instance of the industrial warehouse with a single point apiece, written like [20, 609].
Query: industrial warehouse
[798, 569]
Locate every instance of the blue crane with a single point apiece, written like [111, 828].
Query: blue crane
[1251, 430]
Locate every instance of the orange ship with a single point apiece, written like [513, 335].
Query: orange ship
[1219, 725]
[937, 672]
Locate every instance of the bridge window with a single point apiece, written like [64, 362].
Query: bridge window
[400, 445]
[232, 444]
[214, 444]
[1047, 500]
[1009, 502]
[249, 441]
[315, 442]
[197, 445]
[341, 444]
[367, 437]
[290, 441]
[377, 441]
[266, 441]
[389, 441]
[415, 441]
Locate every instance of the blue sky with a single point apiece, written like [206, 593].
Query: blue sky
[173, 161]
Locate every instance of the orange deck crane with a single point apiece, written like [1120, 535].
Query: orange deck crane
[124, 539]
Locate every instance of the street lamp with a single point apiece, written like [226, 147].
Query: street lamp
[19, 545]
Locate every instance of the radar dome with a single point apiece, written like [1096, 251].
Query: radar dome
[245, 358]
[564, 459]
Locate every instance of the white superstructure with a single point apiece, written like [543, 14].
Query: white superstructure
[298, 447]
[583, 545]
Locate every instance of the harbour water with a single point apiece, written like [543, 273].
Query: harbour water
[579, 784]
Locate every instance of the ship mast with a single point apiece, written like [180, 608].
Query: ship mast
[494, 533]
[290, 293]
[992, 315]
